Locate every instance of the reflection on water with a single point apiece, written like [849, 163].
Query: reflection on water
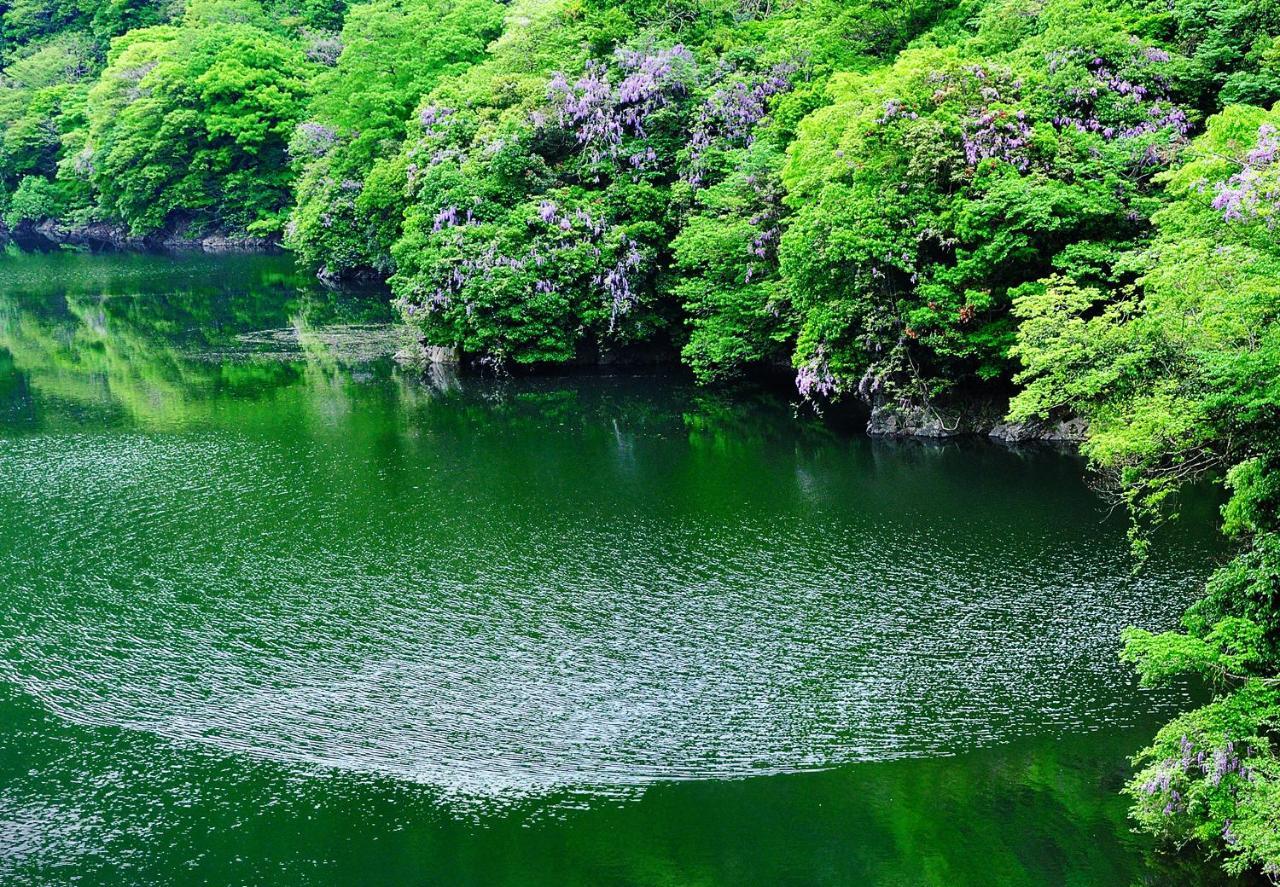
[257, 573]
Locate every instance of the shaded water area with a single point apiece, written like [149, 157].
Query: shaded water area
[275, 611]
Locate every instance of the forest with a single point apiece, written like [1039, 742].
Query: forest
[1066, 205]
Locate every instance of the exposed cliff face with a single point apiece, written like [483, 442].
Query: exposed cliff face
[905, 418]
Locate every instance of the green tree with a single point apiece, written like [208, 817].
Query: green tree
[189, 125]
[350, 192]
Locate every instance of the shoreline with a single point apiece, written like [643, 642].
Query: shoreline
[975, 415]
[106, 236]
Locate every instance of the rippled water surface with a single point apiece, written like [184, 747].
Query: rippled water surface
[276, 611]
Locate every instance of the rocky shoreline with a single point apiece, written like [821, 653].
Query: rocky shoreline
[108, 236]
[982, 417]
[897, 418]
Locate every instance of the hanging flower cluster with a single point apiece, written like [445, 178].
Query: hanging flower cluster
[313, 140]
[1119, 102]
[323, 47]
[729, 115]
[437, 144]
[767, 219]
[814, 377]
[601, 115]
[1169, 783]
[1253, 191]
[991, 129]
[1114, 102]
[991, 126]
[619, 257]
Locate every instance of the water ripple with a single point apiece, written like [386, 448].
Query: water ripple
[345, 605]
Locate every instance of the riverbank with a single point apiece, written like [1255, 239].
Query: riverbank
[957, 416]
[50, 234]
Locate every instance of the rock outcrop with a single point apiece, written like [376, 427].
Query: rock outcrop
[959, 417]
[1071, 431]
[109, 236]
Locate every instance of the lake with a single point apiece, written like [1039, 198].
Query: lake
[275, 610]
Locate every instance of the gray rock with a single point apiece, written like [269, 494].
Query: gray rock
[952, 417]
[959, 417]
[420, 355]
[99, 235]
[1068, 431]
[896, 419]
[221, 243]
[1071, 431]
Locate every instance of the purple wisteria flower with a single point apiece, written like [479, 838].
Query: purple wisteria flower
[621, 259]
[767, 194]
[1253, 191]
[893, 109]
[814, 377]
[314, 139]
[431, 117]
[991, 125]
[1120, 102]
[730, 114]
[1172, 778]
[324, 48]
[999, 134]
[601, 115]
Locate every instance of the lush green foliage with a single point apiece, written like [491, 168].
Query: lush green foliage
[1072, 199]
[350, 188]
[152, 115]
[193, 121]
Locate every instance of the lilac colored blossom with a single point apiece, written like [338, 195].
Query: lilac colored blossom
[992, 126]
[446, 218]
[893, 109]
[996, 134]
[814, 377]
[729, 115]
[570, 231]
[1253, 192]
[314, 139]
[601, 115]
[618, 281]
[1170, 781]
[431, 117]
[650, 76]
[766, 195]
[434, 147]
[643, 159]
[324, 48]
[1137, 91]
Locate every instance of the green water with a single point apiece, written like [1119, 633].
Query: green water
[275, 611]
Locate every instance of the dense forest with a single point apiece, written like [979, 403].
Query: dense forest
[1072, 202]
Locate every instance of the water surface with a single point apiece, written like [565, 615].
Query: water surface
[276, 610]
